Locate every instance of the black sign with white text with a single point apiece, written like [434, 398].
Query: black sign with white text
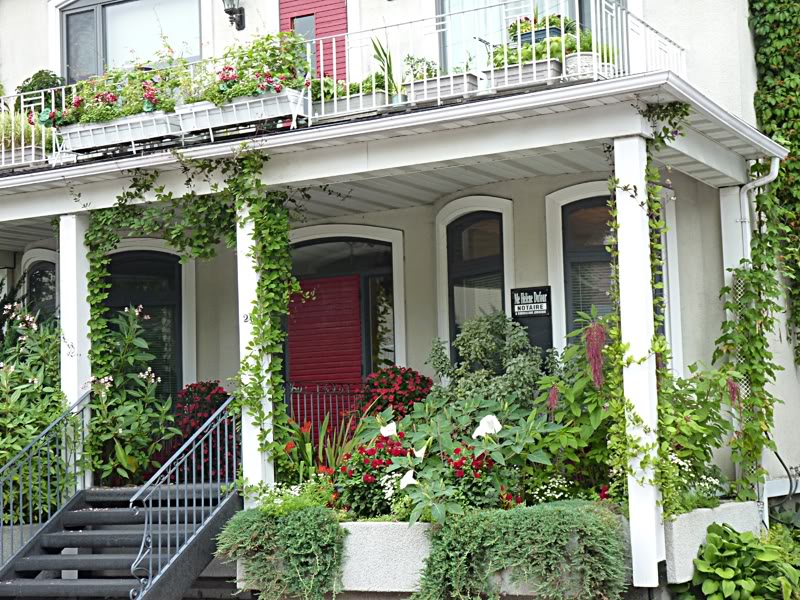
[531, 307]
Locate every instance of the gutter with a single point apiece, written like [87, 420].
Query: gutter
[747, 204]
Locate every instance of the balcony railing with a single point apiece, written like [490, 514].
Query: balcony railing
[512, 45]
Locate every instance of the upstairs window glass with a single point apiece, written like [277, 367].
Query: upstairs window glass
[100, 34]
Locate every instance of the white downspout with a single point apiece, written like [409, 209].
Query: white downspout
[745, 202]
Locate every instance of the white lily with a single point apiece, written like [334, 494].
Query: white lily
[489, 425]
[407, 480]
[420, 453]
[389, 430]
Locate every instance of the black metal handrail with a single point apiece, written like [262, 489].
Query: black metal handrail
[185, 493]
[41, 478]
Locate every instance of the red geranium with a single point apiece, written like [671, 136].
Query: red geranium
[396, 387]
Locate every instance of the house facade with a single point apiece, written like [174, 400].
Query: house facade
[460, 193]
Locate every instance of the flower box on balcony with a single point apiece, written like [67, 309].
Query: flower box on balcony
[684, 535]
[581, 66]
[541, 71]
[539, 35]
[441, 87]
[353, 103]
[241, 111]
[125, 130]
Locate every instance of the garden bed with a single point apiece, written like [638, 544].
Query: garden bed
[687, 532]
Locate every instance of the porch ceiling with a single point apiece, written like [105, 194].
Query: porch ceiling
[16, 235]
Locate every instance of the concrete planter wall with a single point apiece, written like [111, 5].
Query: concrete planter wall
[127, 130]
[684, 536]
[201, 116]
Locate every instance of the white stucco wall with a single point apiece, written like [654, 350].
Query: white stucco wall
[24, 42]
[719, 47]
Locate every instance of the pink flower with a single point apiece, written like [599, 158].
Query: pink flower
[552, 399]
[733, 391]
[595, 339]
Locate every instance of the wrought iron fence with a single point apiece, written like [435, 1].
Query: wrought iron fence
[185, 494]
[42, 478]
[312, 402]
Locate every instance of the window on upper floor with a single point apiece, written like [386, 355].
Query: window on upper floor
[306, 27]
[100, 34]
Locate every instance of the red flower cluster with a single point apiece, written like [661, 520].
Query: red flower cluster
[227, 74]
[266, 81]
[396, 387]
[77, 101]
[150, 94]
[464, 461]
[106, 98]
[370, 462]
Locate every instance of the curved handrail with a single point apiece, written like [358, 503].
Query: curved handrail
[202, 473]
[53, 424]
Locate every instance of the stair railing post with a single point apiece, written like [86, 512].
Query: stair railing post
[257, 466]
[75, 343]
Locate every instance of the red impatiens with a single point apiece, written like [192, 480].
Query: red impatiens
[396, 387]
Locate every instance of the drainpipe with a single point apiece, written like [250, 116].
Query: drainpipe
[744, 202]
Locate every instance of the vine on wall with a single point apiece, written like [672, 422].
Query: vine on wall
[195, 224]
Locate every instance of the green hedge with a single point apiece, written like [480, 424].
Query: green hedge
[572, 549]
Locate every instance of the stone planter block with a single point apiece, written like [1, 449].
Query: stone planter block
[127, 130]
[441, 87]
[541, 72]
[684, 536]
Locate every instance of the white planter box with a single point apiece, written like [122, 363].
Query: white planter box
[349, 104]
[441, 87]
[241, 111]
[684, 535]
[21, 156]
[127, 130]
[581, 66]
[542, 71]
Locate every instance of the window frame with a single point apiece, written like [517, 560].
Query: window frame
[446, 215]
[97, 7]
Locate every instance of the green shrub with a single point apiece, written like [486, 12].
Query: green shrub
[572, 549]
[286, 554]
[740, 566]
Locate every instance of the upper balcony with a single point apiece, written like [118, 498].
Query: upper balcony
[506, 48]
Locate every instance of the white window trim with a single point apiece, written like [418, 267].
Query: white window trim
[33, 256]
[188, 300]
[449, 213]
[554, 203]
[378, 234]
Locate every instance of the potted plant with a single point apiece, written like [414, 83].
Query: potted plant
[335, 98]
[525, 63]
[426, 81]
[582, 58]
[259, 82]
[524, 30]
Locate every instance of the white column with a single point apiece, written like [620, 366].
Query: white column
[74, 310]
[256, 465]
[637, 325]
[735, 226]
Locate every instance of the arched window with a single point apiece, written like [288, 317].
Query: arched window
[475, 267]
[153, 280]
[41, 289]
[587, 263]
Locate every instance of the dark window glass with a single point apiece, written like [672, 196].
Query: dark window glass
[42, 289]
[587, 263]
[153, 280]
[474, 267]
[305, 27]
[81, 45]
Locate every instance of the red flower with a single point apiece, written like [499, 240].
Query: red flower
[552, 399]
[518, 499]
[306, 427]
[376, 463]
[459, 473]
[371, 451]
[457, 451]
[604, 495]
[595, 339]
[369, 478]
[289, 446]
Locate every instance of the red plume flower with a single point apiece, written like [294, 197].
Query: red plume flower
[733, 391]
[552, 399]
[595, 338]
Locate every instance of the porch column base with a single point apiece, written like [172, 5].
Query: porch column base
[257, 466]
[637, 326]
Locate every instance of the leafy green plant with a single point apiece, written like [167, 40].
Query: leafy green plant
[560, 550]
[384, 59]
[417, 68]
[740, 566]
[129, 422]
[290, 546]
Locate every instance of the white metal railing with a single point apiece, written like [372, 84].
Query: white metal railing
[512, 44]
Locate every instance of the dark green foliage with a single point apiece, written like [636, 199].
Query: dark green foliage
[41, 80]
[572, 549]
[293, 555]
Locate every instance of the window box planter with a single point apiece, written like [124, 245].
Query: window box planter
[541, 71]
[581, 66]
[200, 116]
[20, 156]
[349, 104]
[441, 87]
[126, 130]
[539, 35]
[686, 533]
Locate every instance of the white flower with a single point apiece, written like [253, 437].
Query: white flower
[488, 426]
[420, 453]
[389, 430]
[407, 480]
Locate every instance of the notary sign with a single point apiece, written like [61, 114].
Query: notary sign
[530, 302]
